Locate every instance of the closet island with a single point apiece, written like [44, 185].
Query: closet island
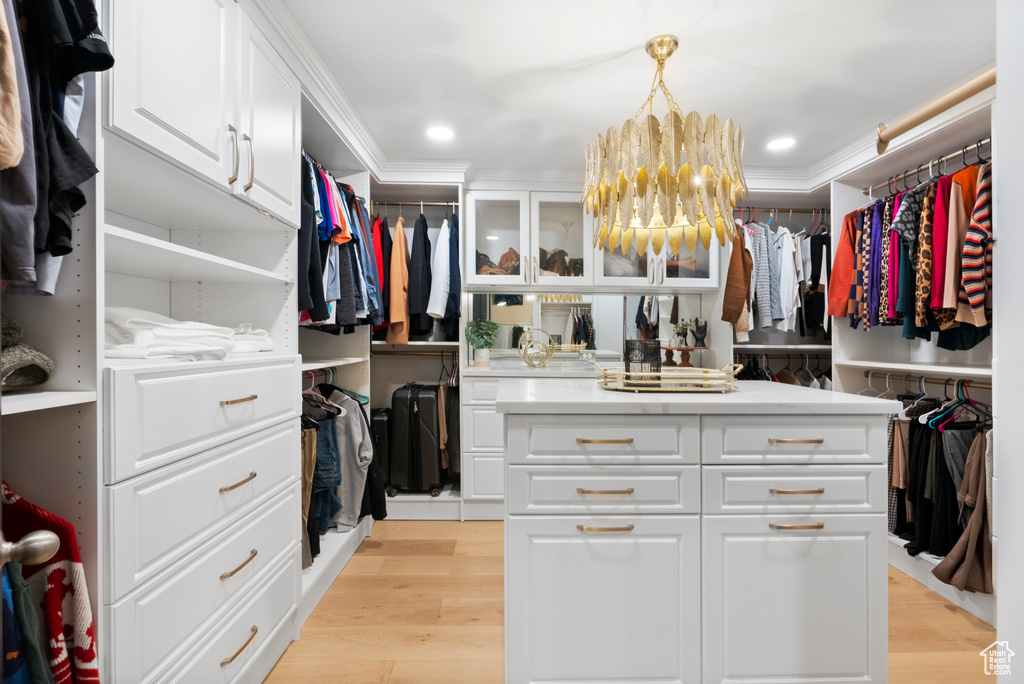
[693, 537]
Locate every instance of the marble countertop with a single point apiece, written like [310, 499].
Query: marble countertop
[561, 395]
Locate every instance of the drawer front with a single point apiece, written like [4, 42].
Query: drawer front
[483, 475]
[795, 489]
[152, 622]
[478, 391]
[156, 417]
[603, 439]
[252, 628]
[156, 517]
[604, 489]
[484, 429]
[786, 439]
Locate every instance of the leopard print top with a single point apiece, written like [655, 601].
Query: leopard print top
[923, 260]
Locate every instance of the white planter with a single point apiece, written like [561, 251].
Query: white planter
[482, 357]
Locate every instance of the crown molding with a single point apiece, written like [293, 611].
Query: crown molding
[535, 180]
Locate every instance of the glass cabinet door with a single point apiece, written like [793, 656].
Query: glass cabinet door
[561, 240]
[688, 269]
[497, 238]
[628, 270]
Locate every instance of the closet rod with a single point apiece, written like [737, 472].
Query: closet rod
[941, 160]
[885, 134]
[925, 378]
[796, 356]
[795, 210]
[396, 352]
[417, 202]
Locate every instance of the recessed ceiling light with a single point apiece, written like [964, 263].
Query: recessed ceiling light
[440, 133]
[781, 144]
[492, 237]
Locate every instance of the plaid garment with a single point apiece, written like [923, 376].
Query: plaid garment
[894, 494]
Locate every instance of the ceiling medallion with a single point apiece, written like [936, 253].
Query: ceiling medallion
[677, 178]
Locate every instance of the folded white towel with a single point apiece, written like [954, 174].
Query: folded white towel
[184, 351]
[131, 321]
[137, 334]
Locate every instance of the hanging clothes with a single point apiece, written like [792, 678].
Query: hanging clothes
[420, 322]
[440, 276]
[355, 452]
[453, 308]
[398, 331]
[382, 255]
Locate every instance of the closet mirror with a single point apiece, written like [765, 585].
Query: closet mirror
[599, 322]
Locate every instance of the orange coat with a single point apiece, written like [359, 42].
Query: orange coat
[398, 330]
[842, 268]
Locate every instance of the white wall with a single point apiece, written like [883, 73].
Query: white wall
[1008, 362]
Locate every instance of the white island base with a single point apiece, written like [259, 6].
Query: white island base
[694, 538]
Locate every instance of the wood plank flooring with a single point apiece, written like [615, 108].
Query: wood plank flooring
[423, 603]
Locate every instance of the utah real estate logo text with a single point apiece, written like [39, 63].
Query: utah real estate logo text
[997, 658]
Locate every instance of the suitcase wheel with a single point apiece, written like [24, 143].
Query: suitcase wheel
[435, 492]
[392, 491]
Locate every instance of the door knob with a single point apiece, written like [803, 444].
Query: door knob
[32, 549]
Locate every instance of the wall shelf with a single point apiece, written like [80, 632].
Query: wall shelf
[919, 368]
[319, 364]
[23, 402]
[134, 254]
[417, 345]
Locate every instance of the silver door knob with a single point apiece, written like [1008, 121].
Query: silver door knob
[32, 549]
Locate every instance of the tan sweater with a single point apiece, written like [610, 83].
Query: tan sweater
[12, 142]
[398, 330]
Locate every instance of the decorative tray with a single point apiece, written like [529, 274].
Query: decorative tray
[673, 379]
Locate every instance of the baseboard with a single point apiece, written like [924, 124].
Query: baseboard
[336, 548]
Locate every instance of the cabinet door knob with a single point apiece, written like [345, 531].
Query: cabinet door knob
[604, 492]
[808, 526]
[252, 476]
[782, 440]
[231, 658]
[234, 173]
[819, 490]
[32, 549]
[232, 573]
[584, 440]
[252, 162]
[586, 528]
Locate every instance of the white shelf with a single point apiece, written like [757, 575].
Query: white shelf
[423, 506]
[317, 364]
[142, 256]
[23, 402]
[795, 348]
[920, 368]
[336, 548]
[436, 345]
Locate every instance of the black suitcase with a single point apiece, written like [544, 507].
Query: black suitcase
[415, 445]
[380, 425]
[453, 413]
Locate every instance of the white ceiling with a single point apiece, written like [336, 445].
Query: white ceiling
[525, 84]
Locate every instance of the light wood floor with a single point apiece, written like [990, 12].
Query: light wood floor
[422, 603]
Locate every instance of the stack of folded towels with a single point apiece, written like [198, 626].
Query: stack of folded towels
[138, 334]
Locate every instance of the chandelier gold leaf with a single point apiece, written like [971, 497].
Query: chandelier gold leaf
[655, 181]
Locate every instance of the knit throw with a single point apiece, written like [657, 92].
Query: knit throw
[59, 592]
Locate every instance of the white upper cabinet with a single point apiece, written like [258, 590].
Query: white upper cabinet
[671, 271]
[270, 126]
[497, 238]
[560, 237]
[177, 97]
[226, 108]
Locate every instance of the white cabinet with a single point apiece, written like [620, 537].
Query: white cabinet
[787, 604]
[603, 598]
[178, 101]
[561, 237]
[685, 270]
[483, 445]
[226, 109]
[498, 225]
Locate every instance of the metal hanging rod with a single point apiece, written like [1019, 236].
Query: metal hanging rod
[796, 356]
[417, 202]
[397, 352]
[885, 134]
[779, 210]
[925, 378]
[960, 154]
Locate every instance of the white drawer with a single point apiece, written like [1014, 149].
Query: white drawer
[478, 391]
[603, 439]
[155, 518]
[483, 475]
[604, 489]
[254, 626]
[795, 489]
[794, 439]
[156, 416]
[483, 429]
[152, 622]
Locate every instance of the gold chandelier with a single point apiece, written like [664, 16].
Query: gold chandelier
[674, 179]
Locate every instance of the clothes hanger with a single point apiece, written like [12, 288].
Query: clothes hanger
[949, 401]
[977, 150]
[870, 386]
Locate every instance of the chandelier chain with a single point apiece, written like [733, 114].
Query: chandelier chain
[658, 83]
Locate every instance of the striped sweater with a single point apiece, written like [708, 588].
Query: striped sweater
[975, 295]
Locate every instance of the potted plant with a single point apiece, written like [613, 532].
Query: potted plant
[680, 331]
[481, 334]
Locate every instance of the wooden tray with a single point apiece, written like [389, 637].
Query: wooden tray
[672, 379]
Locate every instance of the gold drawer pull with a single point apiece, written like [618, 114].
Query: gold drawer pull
[232, 402]
[819, 490]
[609, 492]
[231, 659]
[809, 526]
[585, 528]
[778, 440]
[583, 440]
[252, 476]
[252, 555]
